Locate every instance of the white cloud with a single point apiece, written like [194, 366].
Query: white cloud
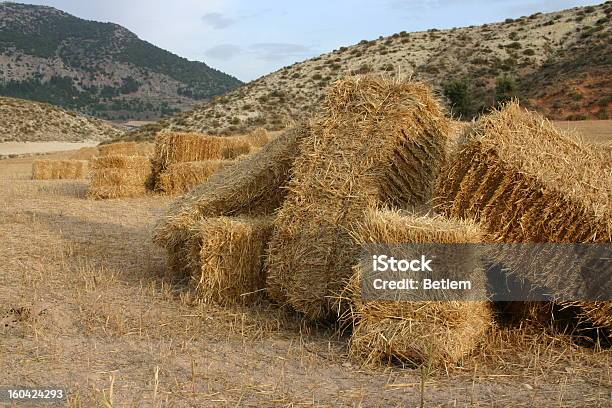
[217, 20]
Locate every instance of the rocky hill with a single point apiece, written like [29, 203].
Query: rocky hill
[27, 121]
[558, 63]
[97, 68]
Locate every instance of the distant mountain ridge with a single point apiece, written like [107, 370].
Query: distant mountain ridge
[29, 121]
[98, 68]
[557, 63]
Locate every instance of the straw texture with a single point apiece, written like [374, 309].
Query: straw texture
[172, 148]
[182, 177]
[253, 186]
[119, 176]
[227, 258]
[59, 169]
[379, 142]
[416, 332]
[526, 181]
[119, 149]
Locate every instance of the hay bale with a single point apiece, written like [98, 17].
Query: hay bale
[229, 252]
[436, 332]
[173, 147]
[119, 176]
[182, 177]
[59, 169]
[526, 181]
[258, 137]
[377, 143]
[119, 149]
[145, 149]
[253, 186]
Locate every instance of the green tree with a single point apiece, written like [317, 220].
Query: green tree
[505, 89]
[459, 92]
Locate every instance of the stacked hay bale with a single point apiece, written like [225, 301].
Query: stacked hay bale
[179, 178]
[172, 148]
[526, 181]
[258, 137]
[378, 143]
[432, 332]
[119, 149]
[230, 253]
[119, 176]
[251, 187]
[59, 169]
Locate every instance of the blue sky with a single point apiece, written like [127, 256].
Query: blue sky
[251, 38]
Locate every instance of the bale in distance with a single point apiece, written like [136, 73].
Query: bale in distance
[379, 142]
[229, 252]
[174, 147]
[119, 176]
[258, 137]
[182, 177]
[59, 169]
[253, 186]
[524, 180]
[424, 332]
[118, 149]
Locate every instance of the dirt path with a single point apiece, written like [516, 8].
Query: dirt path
[594, 131]
[84, 304]
[19, 148]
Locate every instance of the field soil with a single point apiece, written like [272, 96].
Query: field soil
[598, 132]
[86, 304]
[21, 148]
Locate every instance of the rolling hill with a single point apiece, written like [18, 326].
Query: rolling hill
[557, 63]
[28, 121]
[97, 68]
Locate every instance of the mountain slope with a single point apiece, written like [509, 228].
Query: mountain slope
[28, 121]
[98, 68]
[526, 50]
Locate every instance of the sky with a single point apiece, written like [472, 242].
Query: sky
[249, 39]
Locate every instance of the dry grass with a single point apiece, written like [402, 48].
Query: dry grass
[83, 310]
[119, 176]
[380, 142]
[181, 177]
[59, 169]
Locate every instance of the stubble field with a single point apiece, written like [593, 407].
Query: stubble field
[86, 304]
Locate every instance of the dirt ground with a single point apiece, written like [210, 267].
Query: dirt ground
[593, 131]
[85, 304]
[20, 148]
